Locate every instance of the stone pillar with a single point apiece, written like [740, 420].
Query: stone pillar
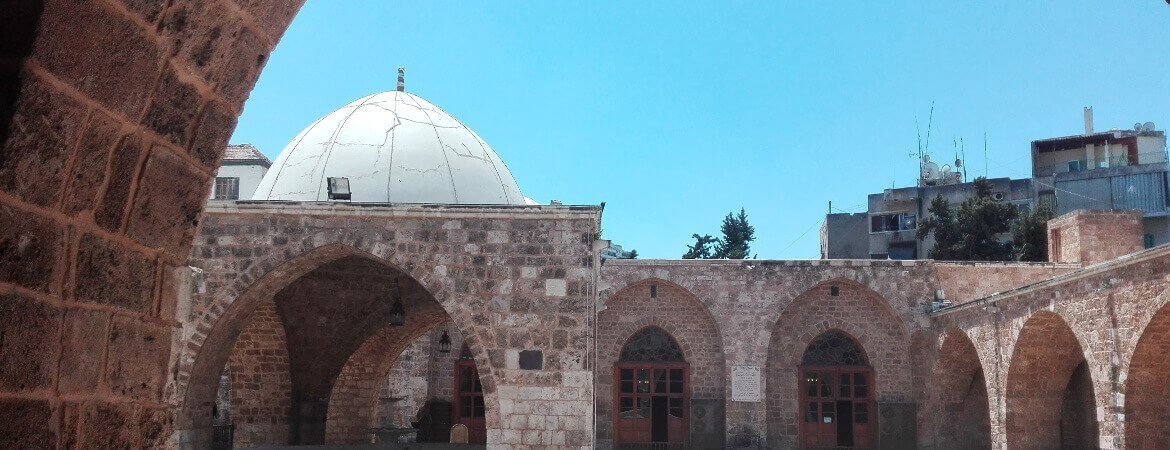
[1091, 236]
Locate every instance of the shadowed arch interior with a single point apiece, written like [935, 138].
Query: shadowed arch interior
[1147, 386]
[652, 344]
[1049, 392]
[960, 408]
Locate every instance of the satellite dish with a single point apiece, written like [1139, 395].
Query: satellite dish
[929, 171]
[958, 163]
[1138, 127]
[1148, 126]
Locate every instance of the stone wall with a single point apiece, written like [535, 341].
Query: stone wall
[1031, 340]
[966, 281]
[1090, 237]
[508, 279]
[258, 373]
[754, 303]
[685, 318]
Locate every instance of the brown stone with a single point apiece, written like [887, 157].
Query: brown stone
[123, 170]
[28, 343]
[110, 274]
[77, 42]
[91, 163]
[32, 162]
[30, 247]
[173, 109]
[167, 204]
[201, 34]
[273, 16]
[137, 359]
[27, 423]
[108, 425]
[84, 342]
[216, 126]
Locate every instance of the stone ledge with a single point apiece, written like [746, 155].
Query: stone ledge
[403, 209]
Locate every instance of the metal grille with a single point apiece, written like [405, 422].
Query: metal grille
[652, 345]
[833, 348]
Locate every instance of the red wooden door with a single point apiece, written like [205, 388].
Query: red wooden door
[469, 408]
[650, 401]
[836, 407]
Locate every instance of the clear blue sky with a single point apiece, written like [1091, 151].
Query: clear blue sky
[676, 113]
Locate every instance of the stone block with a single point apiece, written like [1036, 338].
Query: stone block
[30, 247]
[273, 16]
[32, 162]
[108, 425]
[112, 274]
[137, 359]
[28, 343]
[84, 342]
[173, 109]
[215, 127]
[28, 423]
[123, 171]
[167, 204]
[75, 41]
[90, 162]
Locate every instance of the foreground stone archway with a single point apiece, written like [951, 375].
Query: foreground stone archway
[958, 414]
[1049, 392]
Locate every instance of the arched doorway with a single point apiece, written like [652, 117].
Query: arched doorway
[1050, 401]
[469, 408]
[651, 392]
[836, 395]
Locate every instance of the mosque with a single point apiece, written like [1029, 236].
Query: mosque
[389, 281]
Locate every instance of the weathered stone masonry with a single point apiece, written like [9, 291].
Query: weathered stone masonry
[508, 278]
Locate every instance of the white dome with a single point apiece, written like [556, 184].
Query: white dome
[395, 148]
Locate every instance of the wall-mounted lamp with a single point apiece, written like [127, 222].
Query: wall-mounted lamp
[338, 188]
[445, 343]
[397, 311]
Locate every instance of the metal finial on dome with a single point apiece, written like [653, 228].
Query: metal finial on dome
[401, 79]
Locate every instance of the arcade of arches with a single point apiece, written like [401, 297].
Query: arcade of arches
[115, 113]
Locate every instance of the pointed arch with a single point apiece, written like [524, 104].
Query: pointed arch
[652, 344]
[870, 322]
[957, 411]
[679, 314]
[1049, 391]
[1147, 385]
[234, 304]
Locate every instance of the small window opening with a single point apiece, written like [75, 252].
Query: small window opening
[227, 188]
[834, 291]
[653, 291]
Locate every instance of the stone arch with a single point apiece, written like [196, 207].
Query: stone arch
[860, 313]
[689, 323]
[354, 399]
[234, 304]
[1147, 386]
[958, 406]
[1049, 391]
[261, 388]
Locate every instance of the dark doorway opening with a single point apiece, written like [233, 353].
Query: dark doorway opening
[845, 423]
[658, 431]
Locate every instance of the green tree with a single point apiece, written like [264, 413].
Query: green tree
[972, 233]
[737, 237]
[1030, 234]
[702, 247]
[632, 254]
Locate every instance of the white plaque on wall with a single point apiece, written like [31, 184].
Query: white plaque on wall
[745, 383]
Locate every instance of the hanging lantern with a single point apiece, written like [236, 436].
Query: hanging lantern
[445, 343]
[397, 311]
